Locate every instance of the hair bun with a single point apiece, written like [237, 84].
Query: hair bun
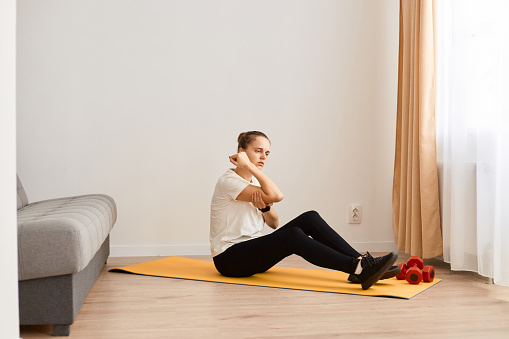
[241, 135]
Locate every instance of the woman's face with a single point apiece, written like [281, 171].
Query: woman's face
[258, 151]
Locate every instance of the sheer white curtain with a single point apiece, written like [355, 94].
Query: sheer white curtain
[473, 135]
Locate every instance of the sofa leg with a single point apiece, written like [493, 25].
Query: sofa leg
[61, 330]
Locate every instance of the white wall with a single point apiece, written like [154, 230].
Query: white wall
[143, 100]
[9, 319]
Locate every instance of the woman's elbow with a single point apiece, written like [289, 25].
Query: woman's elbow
[274, 224]
[278, 197]
[273, 198]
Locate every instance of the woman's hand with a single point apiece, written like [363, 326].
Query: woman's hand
[257, 200]
[240, 160]
[270, 217]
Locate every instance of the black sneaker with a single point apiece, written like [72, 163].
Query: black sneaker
[391, 273]
[374, 268]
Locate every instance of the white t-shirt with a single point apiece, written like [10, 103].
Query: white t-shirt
[232, 221]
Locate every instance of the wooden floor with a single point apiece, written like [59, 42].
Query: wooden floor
[133, 306]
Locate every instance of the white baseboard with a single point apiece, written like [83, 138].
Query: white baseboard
[171, 250]
[161, 250]
[381, 246]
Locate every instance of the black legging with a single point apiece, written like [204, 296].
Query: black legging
[326, 248]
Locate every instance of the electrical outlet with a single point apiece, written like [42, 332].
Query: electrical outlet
[354, 214]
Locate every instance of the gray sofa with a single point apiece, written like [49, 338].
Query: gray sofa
[63, 245]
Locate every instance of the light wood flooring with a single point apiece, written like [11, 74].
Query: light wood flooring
[133, 306]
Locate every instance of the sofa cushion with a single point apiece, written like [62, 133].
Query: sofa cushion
[61, 236]
[22, 196]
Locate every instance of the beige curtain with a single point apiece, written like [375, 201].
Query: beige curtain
[415, 200]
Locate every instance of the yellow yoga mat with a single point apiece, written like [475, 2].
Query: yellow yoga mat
[280, 277]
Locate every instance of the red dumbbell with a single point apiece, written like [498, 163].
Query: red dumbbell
[414, 270]
[401, 275]
[428, 273]
[417, 272]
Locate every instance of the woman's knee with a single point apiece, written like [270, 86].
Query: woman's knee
[310, 215]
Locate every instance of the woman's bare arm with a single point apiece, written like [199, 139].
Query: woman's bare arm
[271, 218]
[269, 191]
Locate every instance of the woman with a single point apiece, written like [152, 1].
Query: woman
[243, 202]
